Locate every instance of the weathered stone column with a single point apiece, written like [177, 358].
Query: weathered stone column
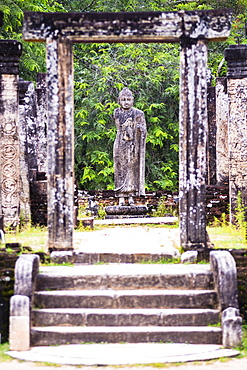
[10, 52]
[211, 142]
[236, 57]
[41, 126]
[24, 109]
[222, 160]
[193, 136]
[60, 144]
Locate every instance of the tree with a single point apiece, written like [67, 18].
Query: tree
[33, 56]
[151, 71]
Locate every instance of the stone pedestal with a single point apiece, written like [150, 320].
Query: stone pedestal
[126, 211]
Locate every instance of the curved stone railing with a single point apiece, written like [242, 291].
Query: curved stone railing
[225, 278]
[26, 270]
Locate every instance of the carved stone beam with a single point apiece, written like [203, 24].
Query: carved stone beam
[128, 27]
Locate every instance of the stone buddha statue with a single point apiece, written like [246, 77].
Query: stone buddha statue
[129, 149]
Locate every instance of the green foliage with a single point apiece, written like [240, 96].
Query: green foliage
[4, 347]
[240, 213]
[151, 71]
[163, 209]
[162, 261]
[33, 56]
[144, 68]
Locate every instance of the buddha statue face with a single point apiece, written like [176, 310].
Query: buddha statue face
[126, 99]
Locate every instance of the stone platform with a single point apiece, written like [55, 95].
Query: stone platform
[123, 354]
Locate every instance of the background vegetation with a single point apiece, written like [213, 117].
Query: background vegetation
[151, 71]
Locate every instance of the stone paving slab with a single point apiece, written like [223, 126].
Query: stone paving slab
[140, 239]
[123, 354]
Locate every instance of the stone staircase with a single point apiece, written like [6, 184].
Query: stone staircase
[124, 302]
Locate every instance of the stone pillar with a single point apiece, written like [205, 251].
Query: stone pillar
[236, 57]
[60, 144]
[211, 143]
[41, 125]
[222, 160]
[27, 120]
[10, 52]
[193, 135]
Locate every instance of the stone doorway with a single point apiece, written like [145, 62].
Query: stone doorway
[193, 30]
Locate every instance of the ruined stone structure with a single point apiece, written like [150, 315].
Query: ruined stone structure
[33, 148]
[193, 30]
[231, 126]
[236, 57]
[10, 52]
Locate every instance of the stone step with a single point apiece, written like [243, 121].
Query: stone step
[43, 336]
[126, 276]
[92, 258]
[140, 298]
[124, 317]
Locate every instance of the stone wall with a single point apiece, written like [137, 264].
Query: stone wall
[38, 200]
[236, 57]
[240, 256]
[217, 200]
[7, 265]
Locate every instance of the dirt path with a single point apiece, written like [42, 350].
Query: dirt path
[225, 364]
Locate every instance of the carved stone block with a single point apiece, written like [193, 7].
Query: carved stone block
[231, 328]
[225, 278]
[19, 330]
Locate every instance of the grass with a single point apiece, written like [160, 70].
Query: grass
[227, 237]
[4, 348]
[34, 237]
[243, 348]
[162, 261]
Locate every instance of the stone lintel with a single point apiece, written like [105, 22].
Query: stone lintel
[213, 25]
[236, 57]
[10, 52]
